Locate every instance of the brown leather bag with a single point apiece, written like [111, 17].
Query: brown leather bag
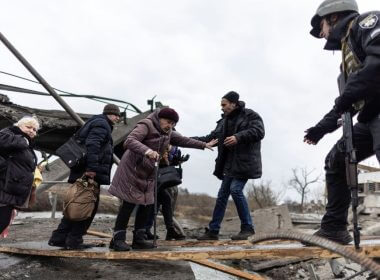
[80, 199]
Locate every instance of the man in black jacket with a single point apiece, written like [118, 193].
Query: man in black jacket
[96, 134]
[239, 134]
[358, 37]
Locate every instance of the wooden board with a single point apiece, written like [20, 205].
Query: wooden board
[191, 242]
[230, 270]
[370, 248]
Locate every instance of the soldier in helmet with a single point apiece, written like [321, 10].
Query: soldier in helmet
[358, 37]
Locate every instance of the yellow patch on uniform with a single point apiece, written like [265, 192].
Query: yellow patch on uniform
[369, 22]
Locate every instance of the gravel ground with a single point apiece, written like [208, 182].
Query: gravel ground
[39, 229]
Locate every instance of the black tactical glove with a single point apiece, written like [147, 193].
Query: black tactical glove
[314, 134]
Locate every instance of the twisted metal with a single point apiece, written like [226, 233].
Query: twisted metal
[323, 243]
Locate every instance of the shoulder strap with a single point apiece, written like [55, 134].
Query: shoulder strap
[344, 44]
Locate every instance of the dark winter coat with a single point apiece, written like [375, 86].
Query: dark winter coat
[17, 165]
[96, 134]
[245, 156]
[135, 176]
[363, 84]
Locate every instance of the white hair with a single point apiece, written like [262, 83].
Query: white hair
[28, 120]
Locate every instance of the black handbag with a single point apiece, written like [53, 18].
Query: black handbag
[72, 152]
[168, 176]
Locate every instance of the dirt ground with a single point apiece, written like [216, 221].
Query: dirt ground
[45, 268]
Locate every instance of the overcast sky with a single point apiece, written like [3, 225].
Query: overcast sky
[189, 53]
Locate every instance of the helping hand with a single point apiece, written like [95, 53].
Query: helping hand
[313, 135]
[211, 144]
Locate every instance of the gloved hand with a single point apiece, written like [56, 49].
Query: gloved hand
[185, 158]
[313, 135]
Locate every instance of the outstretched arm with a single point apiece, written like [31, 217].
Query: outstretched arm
[328, 124]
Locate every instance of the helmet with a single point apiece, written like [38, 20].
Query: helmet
[329, 7]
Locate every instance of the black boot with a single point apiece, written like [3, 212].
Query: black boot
[209, 235]
[341, 237]
[149, 235]
[172, 234]
[243, 234]
[139, 241]
[118, 241]
[56, 242]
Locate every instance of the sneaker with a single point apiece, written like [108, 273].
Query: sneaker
[243, 235]
[342, 237]
[209, 235]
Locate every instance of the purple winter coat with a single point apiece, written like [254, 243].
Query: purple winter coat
[134, 178]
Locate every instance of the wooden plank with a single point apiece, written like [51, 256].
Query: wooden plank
[229, 270]
[258, 251]
[193, 242]
[98, 234]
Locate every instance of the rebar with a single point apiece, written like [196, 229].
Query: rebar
[323, 243]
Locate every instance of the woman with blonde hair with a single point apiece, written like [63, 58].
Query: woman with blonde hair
[17, 165]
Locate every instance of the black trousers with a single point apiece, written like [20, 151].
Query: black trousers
[164, 199]
[125, 212]
[71, 232]
[367, 143]
[5, 216]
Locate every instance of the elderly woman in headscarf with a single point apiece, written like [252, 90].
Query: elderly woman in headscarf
[17, 166]
[134, 179]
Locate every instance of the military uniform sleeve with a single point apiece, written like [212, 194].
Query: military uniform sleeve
[329, 122]
[364, 82]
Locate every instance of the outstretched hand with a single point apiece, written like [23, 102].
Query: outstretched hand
[313, 135]
[211, 144]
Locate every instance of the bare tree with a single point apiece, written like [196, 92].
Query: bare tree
[262, 195]
[319, 194]
[301, 181]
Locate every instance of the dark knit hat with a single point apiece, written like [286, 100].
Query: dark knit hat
[111, 109]
[168, 113]
[232, 97]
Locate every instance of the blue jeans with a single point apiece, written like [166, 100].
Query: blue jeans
[234, 187]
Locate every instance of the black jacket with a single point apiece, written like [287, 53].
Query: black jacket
[17, 165]
[363, 84]
[96, 134]
[246, 154]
